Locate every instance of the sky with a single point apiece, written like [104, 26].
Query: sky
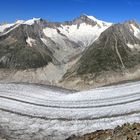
[63, 10]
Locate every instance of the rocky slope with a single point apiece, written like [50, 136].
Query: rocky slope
[124, 132]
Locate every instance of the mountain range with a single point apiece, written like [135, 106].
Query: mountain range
[78, 54]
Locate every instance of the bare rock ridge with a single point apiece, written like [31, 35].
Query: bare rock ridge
[73, 49]
[124, 132]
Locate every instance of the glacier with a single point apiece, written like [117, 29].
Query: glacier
[35, 111]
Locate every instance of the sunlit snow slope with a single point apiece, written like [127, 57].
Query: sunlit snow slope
[56, 115]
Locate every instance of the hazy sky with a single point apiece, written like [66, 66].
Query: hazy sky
[61, 10]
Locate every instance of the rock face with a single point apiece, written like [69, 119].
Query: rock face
[125, 132]
[21, 48]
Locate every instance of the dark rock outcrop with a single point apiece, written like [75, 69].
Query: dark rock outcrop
[125, 132]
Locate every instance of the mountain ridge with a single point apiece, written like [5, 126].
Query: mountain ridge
[71, 49]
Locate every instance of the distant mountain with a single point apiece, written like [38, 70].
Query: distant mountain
[82, 50]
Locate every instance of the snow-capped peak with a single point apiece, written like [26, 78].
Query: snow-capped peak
[28, 22]
[5, 26]
[82, 31]
[19, 21]
[16, 24]
[100, 22]
[31, 21]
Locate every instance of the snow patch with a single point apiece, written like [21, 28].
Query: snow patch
[136, 31]
[135, 46]
[30, 41]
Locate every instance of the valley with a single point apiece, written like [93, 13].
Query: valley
[63, 79]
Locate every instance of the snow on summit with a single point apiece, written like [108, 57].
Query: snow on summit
[18, 22]
[28, 22]
[5, 26]
[31, 21]
[101, 23]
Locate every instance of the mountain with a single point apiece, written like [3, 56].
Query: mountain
[20, 46]
[48, 41]
[117, 50]
[83, 52]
